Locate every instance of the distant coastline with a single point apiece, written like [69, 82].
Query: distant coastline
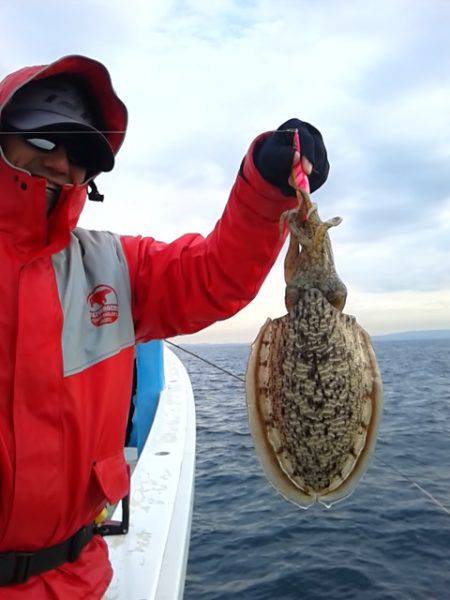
[432, 334]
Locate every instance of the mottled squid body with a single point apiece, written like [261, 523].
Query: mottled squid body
[314, 391]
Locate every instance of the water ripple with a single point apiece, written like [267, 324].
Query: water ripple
[386, 542]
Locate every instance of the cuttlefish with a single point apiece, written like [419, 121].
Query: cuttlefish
[314, 391]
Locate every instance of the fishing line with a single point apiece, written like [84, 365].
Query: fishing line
[206, 361]
[406, 477]
[417, 485]
[47, 131]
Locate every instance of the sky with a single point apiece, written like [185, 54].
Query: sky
[202, 79]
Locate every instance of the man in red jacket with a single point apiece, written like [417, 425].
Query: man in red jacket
[75, 302]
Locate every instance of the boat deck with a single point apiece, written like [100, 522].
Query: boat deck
[150, 561]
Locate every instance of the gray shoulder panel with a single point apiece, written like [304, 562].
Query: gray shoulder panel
[94, 289]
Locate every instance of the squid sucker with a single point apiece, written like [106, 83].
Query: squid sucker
[314, 390]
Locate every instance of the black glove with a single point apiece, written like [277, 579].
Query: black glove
[273, 156]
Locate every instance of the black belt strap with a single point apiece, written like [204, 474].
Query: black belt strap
[17, 567]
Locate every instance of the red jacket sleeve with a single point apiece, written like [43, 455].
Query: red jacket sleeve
[184, 286]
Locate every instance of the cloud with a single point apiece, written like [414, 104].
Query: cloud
[201, 80]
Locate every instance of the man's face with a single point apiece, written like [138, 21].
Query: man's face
[53, 166]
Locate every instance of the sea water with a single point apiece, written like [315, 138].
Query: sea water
[389, 540]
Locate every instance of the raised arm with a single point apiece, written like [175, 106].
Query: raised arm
[186, 285]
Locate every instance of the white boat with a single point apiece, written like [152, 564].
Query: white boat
[149, 562]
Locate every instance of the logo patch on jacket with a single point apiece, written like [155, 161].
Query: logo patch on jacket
[103, 305]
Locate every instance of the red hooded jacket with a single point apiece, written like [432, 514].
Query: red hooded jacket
[74, 303]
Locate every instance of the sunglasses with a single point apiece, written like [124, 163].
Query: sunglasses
[75, 151]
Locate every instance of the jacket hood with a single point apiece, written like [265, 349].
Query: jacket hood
[22, 197]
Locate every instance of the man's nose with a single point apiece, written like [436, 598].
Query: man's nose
[57, 160]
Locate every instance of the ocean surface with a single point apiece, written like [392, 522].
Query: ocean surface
[389, 540]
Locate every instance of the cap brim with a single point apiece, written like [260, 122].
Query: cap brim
[99, 154]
